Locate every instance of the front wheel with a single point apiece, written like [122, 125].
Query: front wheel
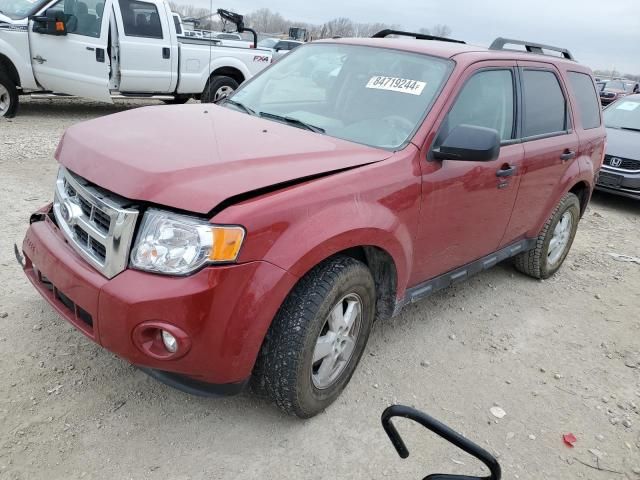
[8, 97]
[217, 89]
[554, 242]
[317, 337]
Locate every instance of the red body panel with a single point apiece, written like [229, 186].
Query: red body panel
[226, 310]
[213, 165]
[429, 216]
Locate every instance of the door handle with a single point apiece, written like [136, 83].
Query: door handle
[506, 171]
[166, 53]
[568, 155]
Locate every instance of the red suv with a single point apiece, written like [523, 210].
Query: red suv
[257, 241]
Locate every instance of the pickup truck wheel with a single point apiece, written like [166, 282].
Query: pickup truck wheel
[317, 338]
[554, 242]
[217, 89]
[8, 97]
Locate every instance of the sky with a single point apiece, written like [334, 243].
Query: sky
[601, 34]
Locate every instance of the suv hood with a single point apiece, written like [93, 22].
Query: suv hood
[193, 157]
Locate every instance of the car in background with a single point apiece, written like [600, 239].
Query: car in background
[620, 173]
[279, 47]
[613, 90]
[634, 87]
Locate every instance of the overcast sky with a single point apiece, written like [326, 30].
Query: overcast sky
[600, 33]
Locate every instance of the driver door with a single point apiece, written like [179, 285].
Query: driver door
[76, 63]
[466, 205]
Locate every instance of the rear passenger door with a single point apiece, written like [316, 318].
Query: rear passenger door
[551, 147]
[148, 52]
[466, 205]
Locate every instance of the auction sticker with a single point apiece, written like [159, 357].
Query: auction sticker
[394, 84]
[629, 106]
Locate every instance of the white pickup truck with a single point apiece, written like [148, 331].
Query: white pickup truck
[105, 49]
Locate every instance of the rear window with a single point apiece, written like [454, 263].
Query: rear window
[545, 108]
[588, 103]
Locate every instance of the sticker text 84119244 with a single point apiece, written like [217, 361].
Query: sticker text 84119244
[394, 84]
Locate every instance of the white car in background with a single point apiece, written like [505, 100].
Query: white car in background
[279, 47]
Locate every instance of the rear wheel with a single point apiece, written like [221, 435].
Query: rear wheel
[218, 88]
[8, 97]
[317, 337]
[554, 242]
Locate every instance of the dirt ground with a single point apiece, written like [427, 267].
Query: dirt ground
[558, 356]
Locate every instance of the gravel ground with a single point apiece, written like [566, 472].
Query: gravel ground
[558, 356]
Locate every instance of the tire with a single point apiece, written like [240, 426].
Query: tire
[542, 261]
[216, 87]
[8, 97]
[177, 101]
[285, 371]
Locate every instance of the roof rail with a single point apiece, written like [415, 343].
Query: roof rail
[417, 36]
[499, 44]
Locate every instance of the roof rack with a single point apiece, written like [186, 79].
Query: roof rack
[417, 36]
[499, 44]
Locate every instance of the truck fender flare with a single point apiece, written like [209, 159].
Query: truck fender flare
[224, 63]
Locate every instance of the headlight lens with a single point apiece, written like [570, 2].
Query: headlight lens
[175, 244]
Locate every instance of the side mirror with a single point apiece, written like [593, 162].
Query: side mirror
[53, 22]
[470, 143]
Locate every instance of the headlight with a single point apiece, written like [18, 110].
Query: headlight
[178, 245]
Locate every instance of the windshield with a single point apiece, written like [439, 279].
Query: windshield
[615, 85]
[623, 114]
[16, 9]
[373, 96]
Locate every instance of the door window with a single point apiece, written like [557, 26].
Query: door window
[545, 107]
[486, 100]
[140, 19]
[83, 17]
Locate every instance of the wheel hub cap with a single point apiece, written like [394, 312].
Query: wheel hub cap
[5, 100]
[560, 238]
[221, 93]
[336, 342]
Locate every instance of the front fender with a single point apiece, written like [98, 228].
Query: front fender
[298, 227]
[14, 46]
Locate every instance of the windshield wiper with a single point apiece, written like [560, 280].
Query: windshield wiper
[292, 121]
[241, 106]
[630, 128]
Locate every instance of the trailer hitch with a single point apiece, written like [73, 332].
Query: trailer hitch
[238, 21]
[442, 431]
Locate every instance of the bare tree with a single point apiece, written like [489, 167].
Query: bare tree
[441, 30]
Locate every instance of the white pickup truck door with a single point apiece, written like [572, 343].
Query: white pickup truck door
[76, 63]
[148, 46]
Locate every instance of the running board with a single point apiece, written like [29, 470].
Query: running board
[425, 289]
[140, 96]
[114, 96]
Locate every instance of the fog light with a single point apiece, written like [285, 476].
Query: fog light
[170, 342]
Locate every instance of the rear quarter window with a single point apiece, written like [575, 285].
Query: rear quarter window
[545, 107]
[588, 103]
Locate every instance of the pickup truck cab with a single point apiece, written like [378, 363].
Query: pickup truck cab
[105, 49]
[261, 248]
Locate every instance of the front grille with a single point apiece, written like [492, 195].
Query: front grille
[622, 163]
[98, 224]
[73, 309]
